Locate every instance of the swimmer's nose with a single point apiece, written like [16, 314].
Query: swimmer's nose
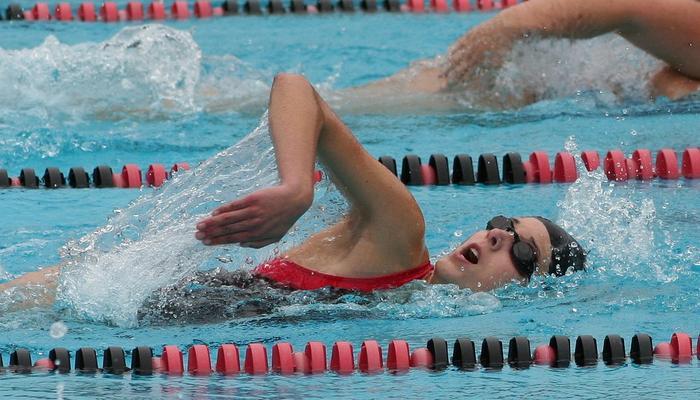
[497, 238]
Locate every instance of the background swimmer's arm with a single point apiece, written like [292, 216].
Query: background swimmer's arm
[37, 288]
[303, 125]
[664, 28]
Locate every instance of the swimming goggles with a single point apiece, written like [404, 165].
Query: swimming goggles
[524, 254]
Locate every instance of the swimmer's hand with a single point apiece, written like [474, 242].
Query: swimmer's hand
[257, 220]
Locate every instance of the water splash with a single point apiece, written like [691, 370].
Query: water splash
[147, 70]
[599, 72]
[110, 272]
[613, 222]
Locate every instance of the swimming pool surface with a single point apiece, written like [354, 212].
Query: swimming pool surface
[89, 94]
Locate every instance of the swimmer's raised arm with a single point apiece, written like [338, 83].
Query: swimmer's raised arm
[667, 29]
[385, 216]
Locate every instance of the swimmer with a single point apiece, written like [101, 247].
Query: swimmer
[380, 244]
[666, 29]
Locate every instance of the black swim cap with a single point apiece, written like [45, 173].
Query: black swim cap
[566, 251]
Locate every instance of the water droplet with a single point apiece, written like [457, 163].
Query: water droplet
[574, 310]
[461, 268]
[58, 330]
[478, 284]
[458, 233]
[249, 260]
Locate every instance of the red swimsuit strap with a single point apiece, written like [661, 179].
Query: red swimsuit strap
[291, 274]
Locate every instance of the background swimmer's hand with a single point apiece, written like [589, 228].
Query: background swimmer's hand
[257, 220]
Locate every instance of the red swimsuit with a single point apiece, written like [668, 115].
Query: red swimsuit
[295, 276]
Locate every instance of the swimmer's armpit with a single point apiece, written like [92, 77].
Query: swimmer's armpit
[671, 84]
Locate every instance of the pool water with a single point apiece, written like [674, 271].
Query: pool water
[90, 94]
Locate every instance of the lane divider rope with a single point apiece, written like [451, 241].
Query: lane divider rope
[181, 10]
[535, 169]
[314, 358]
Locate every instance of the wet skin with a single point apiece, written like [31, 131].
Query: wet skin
[484, 261]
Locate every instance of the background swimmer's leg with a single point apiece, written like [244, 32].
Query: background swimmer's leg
[418, 88]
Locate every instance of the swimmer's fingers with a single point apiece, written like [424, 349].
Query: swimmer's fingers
[243, 227]
[225, 219]
[232, 206]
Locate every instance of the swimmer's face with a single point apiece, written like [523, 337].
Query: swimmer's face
[484, 261]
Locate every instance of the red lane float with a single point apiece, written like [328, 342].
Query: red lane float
[198, 360]
[157, 364]
[283, 358]
[565, 168]
[371, 357]
[156, 10]
[484, 5]
[398, 356]
[591, 160]
[228, 361]
[86, 12]
[681, 348]
[256, 359]
[342, 358]
[315, 353]
[40, 12]
[539, 161]
[63, 12]
[301, 363]
[416, 6]
[421, 358]
[156, 176]
[203, 9]
[134, 11]
[439, 6]
[691, 163]
[429, 175]
[643, 168]
[109, 12]
[461, 5]
[131, 176]
[171, 360]
[180, 10]
[667, 164]
[544, 355]
[615, 166]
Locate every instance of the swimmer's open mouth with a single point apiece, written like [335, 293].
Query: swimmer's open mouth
[471, 254]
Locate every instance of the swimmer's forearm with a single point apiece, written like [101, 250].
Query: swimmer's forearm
[295, 121]
[575, 19]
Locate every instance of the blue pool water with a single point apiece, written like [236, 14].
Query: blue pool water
[78, 94]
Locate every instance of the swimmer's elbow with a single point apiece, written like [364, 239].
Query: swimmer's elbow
[289, 78]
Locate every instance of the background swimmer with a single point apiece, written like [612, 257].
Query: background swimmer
[666, 29]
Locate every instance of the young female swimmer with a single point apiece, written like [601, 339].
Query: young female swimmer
[380, 243]
[666, 29]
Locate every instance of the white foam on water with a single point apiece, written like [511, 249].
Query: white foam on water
[615, 222]
[603, 71]
[146, 70]
[151, 244]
